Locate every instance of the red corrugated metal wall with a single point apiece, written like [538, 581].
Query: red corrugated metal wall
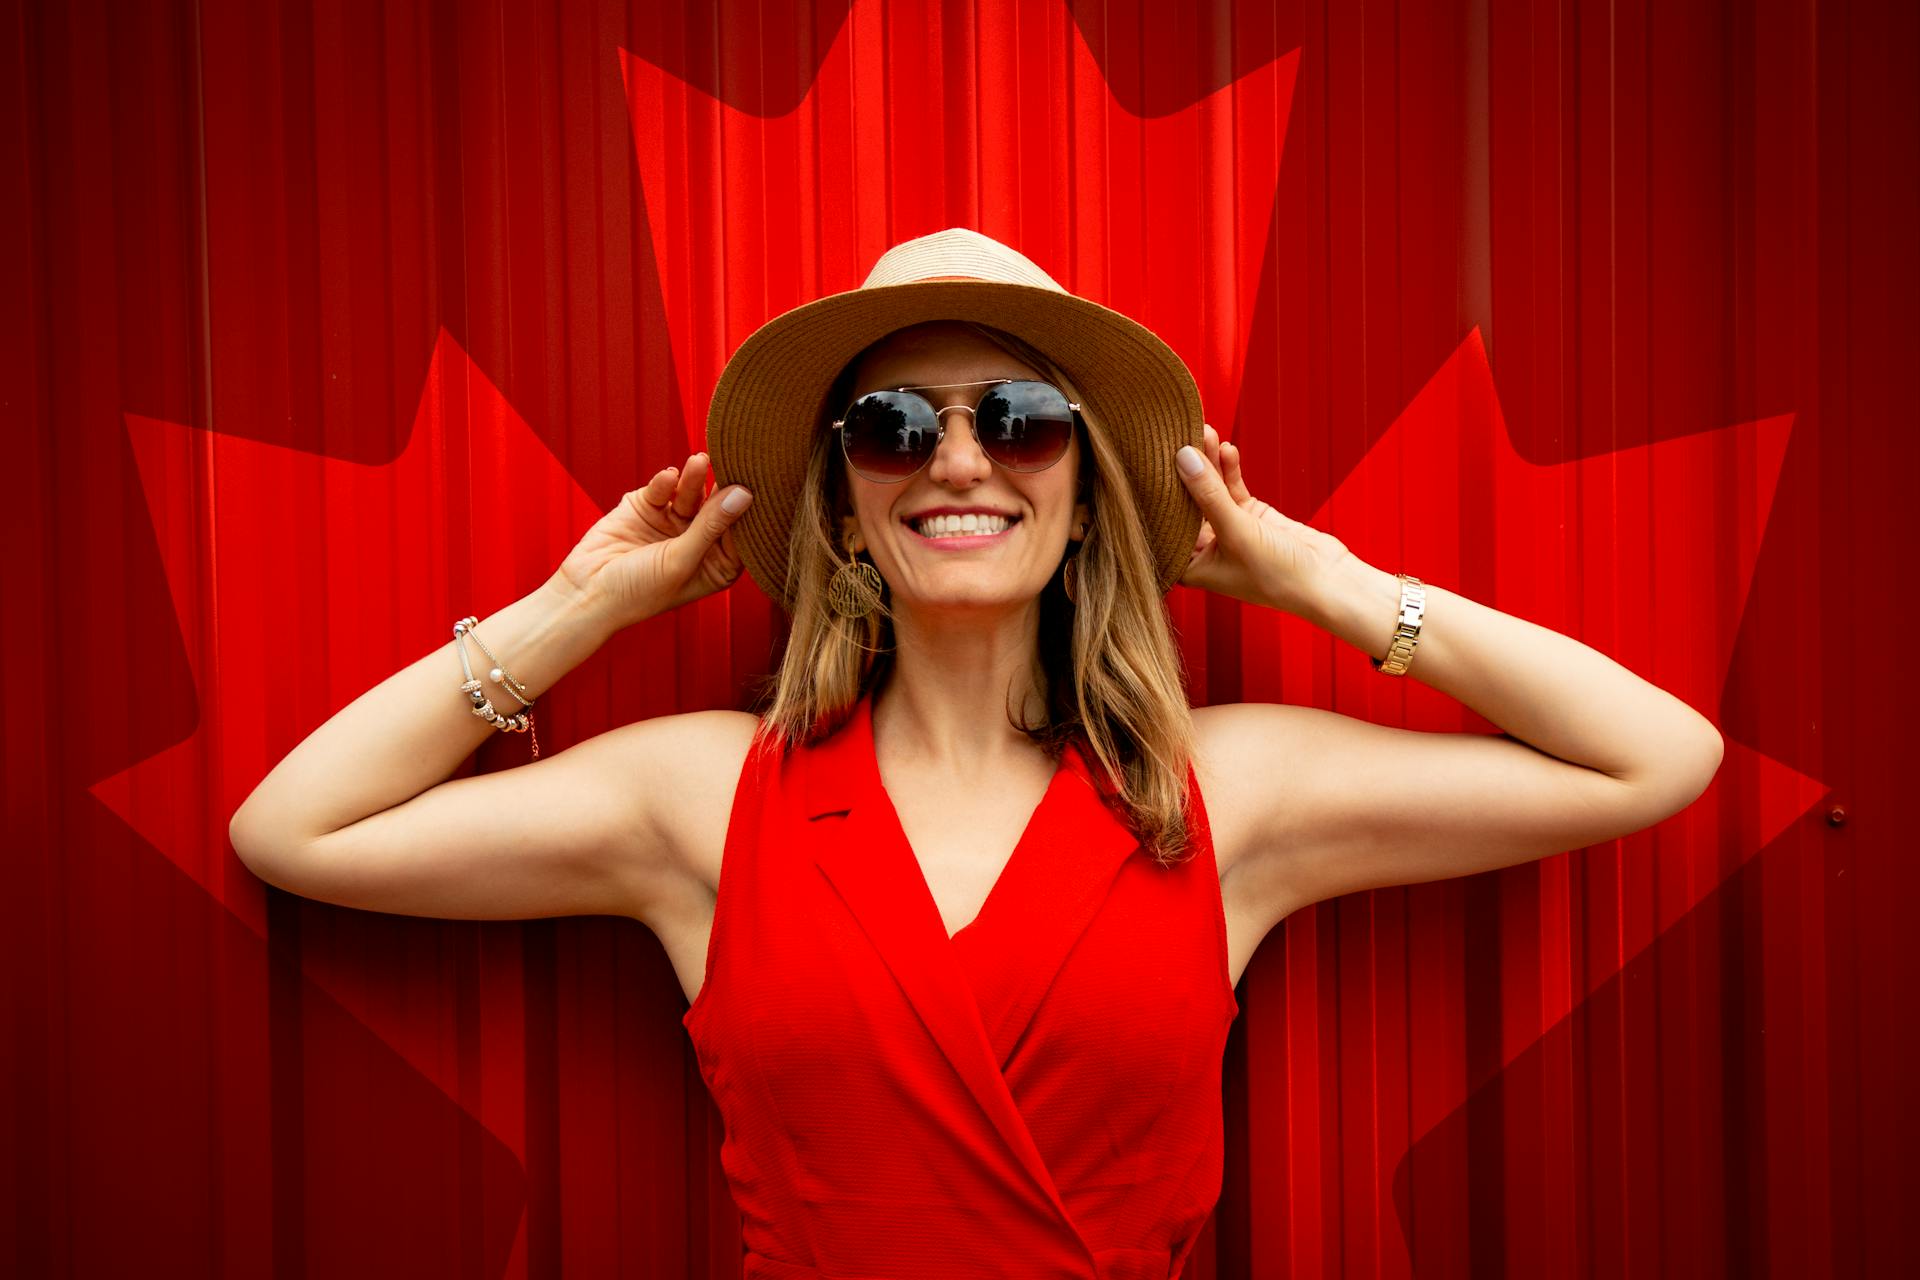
[331, 323]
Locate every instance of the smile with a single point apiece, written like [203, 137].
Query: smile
[960, 533]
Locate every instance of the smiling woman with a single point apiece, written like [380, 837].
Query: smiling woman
[960, 916]
[1107, 667]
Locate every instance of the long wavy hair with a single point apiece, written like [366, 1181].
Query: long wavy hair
[1112, 673]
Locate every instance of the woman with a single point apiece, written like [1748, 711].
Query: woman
[960, 916]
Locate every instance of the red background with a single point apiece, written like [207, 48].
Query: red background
[329, 324]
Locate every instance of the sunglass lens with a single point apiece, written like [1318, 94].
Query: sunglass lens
[888, 435]
[1025, 426]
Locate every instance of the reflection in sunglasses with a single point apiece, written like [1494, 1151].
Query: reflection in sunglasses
[888, 436]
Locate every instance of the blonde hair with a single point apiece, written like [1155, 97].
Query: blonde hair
[1113, 676]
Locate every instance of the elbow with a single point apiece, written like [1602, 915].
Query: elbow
[1713, 751]
[1703, 765]
[1694, 759]
[254, 847]
[1679, 776]
[246, 843]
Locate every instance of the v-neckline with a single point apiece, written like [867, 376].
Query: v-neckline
[976, 989]
[998, 889]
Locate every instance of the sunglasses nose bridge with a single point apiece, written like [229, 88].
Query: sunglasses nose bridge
[979, 458]
[973, 423]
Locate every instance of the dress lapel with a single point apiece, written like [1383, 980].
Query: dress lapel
[1053, 887]
[856, 840]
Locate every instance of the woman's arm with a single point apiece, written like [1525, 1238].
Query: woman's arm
[365, 812]
[1325, 804]
[1548, 690]
[413, 729]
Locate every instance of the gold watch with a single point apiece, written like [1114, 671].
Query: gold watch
[1406, 634]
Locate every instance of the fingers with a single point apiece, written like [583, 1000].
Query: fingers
[715, 516]
[1230, 471]
[655, 494]
[675, 491]
[658, 491]
[1209, 491]
[1225, 457]
[688, 493]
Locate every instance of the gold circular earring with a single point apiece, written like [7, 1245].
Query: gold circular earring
[854, 589]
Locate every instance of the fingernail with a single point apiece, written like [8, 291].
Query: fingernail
[1189, 460]
[735, 502]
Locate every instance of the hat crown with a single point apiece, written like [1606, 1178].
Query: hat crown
[957, 252]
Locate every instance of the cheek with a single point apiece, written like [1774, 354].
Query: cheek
[868, 519]
[866, 509]
[1064, 495]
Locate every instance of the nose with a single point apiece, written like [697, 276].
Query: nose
[958, 461]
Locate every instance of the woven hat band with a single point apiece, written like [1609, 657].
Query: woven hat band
[957, 254]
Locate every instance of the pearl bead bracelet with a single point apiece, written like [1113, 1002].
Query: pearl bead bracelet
[519, 722]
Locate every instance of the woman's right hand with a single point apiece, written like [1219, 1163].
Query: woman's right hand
[667, 543]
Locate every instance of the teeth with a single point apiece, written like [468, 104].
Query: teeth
[950, 526]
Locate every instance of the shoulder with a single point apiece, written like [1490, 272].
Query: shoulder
[683, 770]
[1247, 761]
[689, 746]
[703, 771]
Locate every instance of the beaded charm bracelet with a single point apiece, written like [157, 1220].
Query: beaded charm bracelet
[519, 722]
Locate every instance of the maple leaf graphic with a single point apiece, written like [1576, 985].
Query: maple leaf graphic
[246, 531]
[1618, 550]
[250, 537]
[752, 216]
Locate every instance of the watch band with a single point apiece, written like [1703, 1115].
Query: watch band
[1406, 633]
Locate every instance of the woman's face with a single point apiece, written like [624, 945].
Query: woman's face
[1008, 568]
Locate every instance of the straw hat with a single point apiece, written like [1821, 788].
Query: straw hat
[769, 401]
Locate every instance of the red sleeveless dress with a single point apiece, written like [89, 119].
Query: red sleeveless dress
[1037, 1096]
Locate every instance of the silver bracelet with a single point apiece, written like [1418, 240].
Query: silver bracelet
[499, 673]
[520, 722]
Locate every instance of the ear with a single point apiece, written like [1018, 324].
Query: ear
[1082, 521]
[850, 534]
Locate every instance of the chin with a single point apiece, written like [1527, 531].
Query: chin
[960, 595]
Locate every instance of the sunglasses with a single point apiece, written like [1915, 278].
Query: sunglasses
[887, 436]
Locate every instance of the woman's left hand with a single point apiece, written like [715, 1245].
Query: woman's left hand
[1246, 548]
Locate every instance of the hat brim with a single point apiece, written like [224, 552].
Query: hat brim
[767, 404]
